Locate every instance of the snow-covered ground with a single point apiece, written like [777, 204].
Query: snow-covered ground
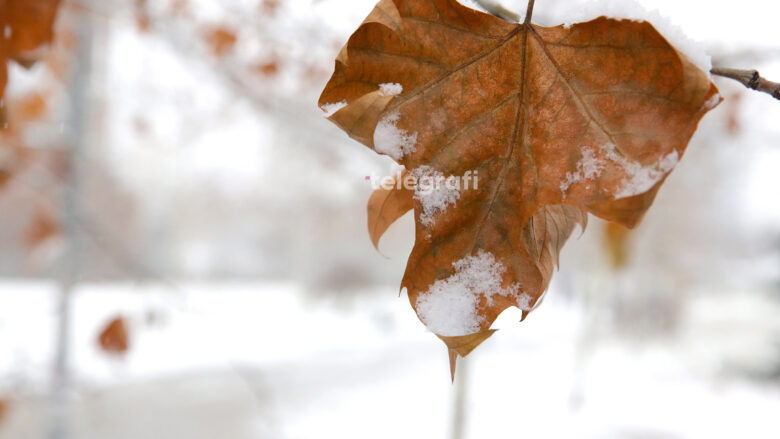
[273, 361]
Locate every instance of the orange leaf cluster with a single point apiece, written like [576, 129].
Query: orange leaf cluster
[25, 26]
[557, 122]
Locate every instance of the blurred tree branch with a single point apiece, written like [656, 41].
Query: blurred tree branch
[499, 11]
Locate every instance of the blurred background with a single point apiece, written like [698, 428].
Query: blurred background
[185, 252]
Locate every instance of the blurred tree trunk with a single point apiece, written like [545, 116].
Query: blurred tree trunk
[77, 136]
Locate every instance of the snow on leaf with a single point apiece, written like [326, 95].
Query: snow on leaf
[450, 306]
[434, 191]
[588, 168]
[330, 109]
[391, 140]
[558, 122]
[391, 88]
[639, 179]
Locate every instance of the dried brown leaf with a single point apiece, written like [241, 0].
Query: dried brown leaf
[556, 121]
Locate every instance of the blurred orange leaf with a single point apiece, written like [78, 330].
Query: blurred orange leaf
[268, 68]
[142, 20]
[114, 338]
[31, 107]
[4, 404]
[221, 40]
[616, 244]
[44, 226]
[555, 122]
[269, 7]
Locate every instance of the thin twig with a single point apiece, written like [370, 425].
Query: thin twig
[750, 79]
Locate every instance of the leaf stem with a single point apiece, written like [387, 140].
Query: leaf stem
[750, 79]
[529, 12]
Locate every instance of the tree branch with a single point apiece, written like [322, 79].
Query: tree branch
[750, 79]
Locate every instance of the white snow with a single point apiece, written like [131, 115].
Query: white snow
[712, 102]
[391, 88]
[435, 192]
[640, 178]
[579, 11]
[449, 306]
[588, 168]
[524, 301]
[331, 108]
[391, 140]
[328, 358]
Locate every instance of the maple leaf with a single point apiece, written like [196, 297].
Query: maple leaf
[557, 122]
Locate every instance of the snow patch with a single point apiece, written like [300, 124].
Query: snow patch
[391, 89]
[524, 301]
[330, 109]
[640, 178]
[588, 168]
[712, 102]
[391, 140]
[435, 192]
[449, 306]
[579, 11]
